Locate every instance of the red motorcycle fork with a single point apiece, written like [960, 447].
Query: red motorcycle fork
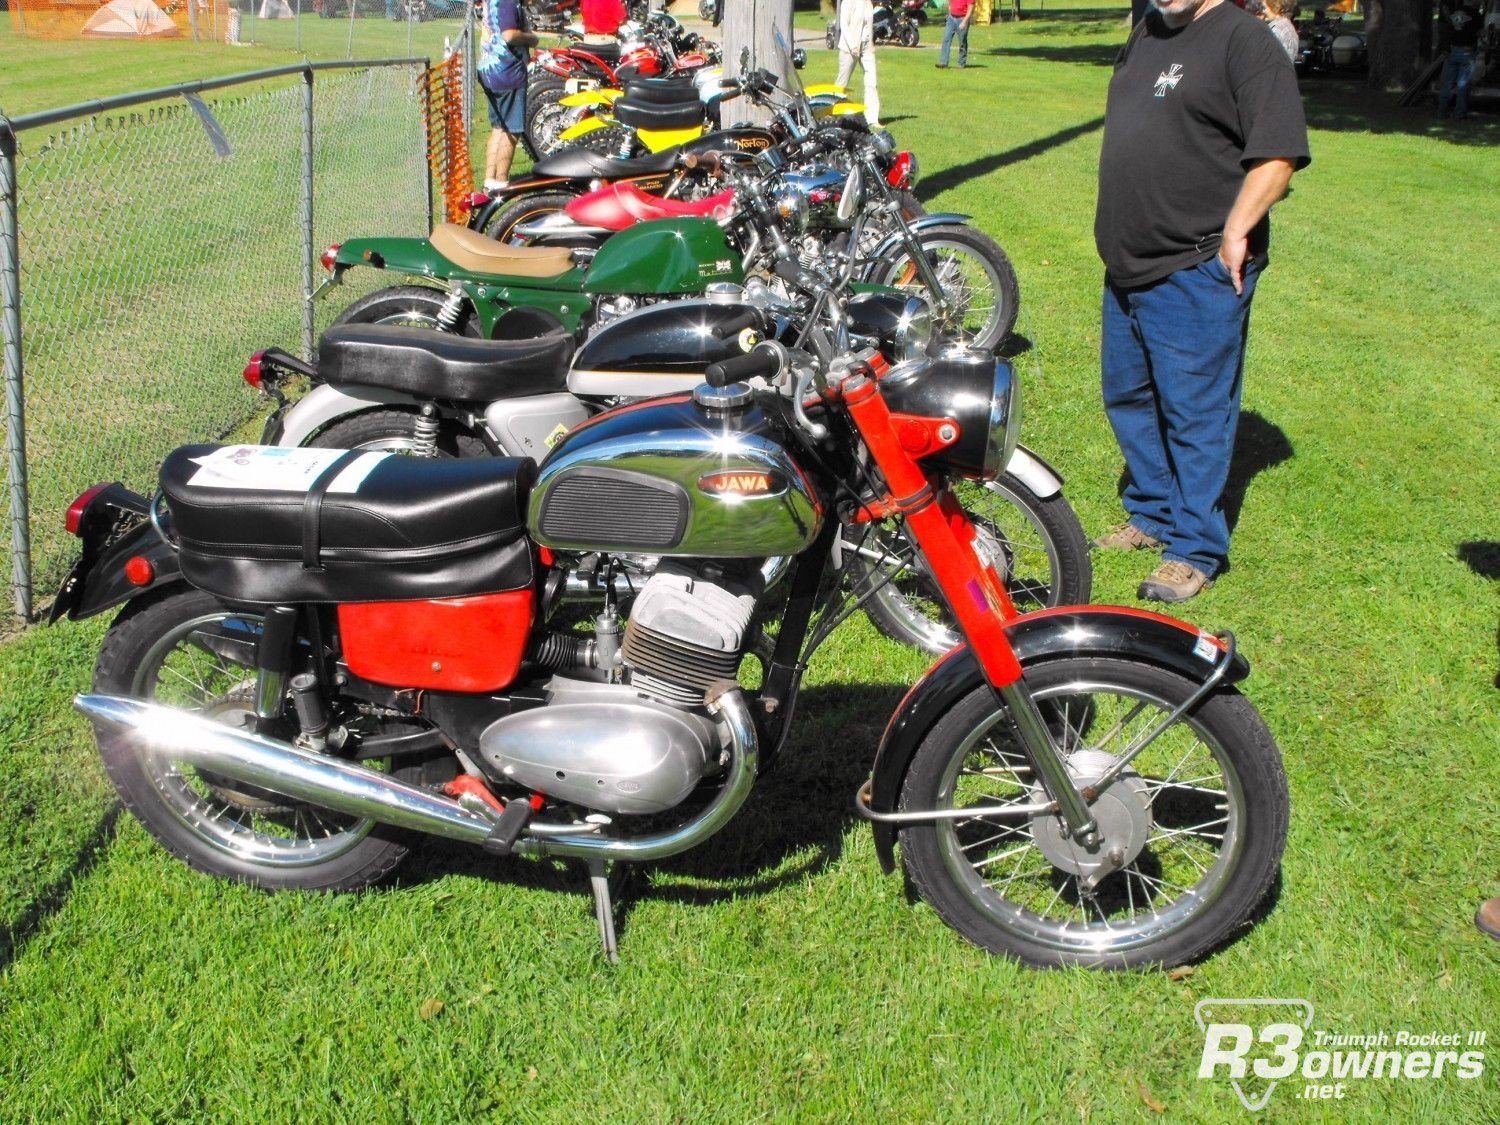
[944, 533]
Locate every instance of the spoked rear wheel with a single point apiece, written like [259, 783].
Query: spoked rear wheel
[186, 649]
[978, 282]
[1193, 828]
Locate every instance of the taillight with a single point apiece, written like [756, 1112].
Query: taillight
[139, 571]
[903, 173]
[329, 255]
[473, 201]
[252, 371]
[81, 505]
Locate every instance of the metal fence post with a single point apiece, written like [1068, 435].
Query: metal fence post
[307, 212]
[15, 398]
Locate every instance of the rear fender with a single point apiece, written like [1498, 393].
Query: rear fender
[398, 255]
[1049, 634]
[1035, 473]
[604, 96]
[97, 581]
[659, 140]
[323, 405]
[583, 128]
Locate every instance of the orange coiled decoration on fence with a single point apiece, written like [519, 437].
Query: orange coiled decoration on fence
[448, 136]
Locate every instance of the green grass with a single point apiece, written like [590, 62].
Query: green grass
[775, 974]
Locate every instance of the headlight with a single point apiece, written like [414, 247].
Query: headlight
[792, 209]
[971, 389]
[913, 330]
[1005, 420]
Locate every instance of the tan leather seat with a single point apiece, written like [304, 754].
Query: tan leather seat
[473, 251]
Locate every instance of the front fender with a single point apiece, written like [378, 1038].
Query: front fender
[324, 404]
[920, 223]
[1048, 634]
[1035, 473]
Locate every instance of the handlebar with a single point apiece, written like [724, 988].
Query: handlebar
[764, 361]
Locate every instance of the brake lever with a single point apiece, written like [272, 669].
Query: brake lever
[804, 378]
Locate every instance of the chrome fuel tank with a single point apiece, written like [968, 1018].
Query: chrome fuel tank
[671, 477]
[664, 348]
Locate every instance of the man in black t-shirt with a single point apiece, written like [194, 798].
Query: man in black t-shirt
[1462, 23]
[1202, 132]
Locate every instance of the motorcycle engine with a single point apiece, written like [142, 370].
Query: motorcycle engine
[688, 627]
[604, 746]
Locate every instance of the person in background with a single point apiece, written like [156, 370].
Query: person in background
[1278, 17]
[1462, 22]
[857, 44]
[601, 19]
[504, 51]
[960, 15]
[1203, 129]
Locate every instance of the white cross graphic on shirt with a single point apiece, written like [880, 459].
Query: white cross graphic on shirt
[1168, 80]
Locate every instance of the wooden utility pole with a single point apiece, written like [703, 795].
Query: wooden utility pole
[753, 24]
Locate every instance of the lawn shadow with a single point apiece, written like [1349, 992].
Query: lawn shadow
[959, 174]
[15, 936]
[799, 808]
[1083, 54]
[1482, 556]
[1348, 105]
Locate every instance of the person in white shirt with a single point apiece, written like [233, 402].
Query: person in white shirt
[857, 43]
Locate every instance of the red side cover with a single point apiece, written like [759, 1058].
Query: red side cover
[456, 644]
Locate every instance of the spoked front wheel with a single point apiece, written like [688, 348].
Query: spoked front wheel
[978, 283]
[1193, 828]
[1036, 544]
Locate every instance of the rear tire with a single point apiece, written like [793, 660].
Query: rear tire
[412, 306]
[612, 140]
[911, 35]
[184, 648]
[526, 208]
[394, 431]
[542, 115]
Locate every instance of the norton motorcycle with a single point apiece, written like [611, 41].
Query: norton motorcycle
[320, 653]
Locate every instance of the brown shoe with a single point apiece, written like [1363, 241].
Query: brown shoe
[1125, 537]
[1173, 582]
[1487, 918]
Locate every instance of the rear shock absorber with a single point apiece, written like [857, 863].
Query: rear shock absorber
[453, 307]
[425, 432]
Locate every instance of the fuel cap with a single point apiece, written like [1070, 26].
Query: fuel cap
[732, 397]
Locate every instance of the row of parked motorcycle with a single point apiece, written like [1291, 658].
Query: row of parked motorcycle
[539, 557]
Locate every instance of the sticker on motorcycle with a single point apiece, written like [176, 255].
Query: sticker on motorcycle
[556, 435]
[1206, 647]
[748, 339]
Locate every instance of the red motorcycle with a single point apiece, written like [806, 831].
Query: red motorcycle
[321, 652]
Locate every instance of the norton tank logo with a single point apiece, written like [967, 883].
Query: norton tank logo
[751, 144]
[741, 482]
[748, 339]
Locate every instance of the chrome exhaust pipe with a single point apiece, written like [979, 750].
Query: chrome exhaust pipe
[253, 759]
[346, 787]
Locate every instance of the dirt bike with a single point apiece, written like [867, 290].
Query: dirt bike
[322, 652]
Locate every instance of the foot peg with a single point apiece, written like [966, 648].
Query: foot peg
[508, 820]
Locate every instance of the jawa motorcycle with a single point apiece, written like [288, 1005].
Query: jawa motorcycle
[322, 651]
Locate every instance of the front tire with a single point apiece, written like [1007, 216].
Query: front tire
[410, 306]
[1044, 551]
[184, 648]
[544, 115]
[911, 35]
[1197, 822]
[975, 275]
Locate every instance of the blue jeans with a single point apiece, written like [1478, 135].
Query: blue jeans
[955, 27]
[1458, 73]
[1173, 358]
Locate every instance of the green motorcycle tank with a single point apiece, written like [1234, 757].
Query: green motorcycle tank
[664, 256]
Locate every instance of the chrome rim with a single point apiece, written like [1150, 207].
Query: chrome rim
[1030, 564]
[415, 316]
[970, 285]
[547, 125]
[183, 669]
[1182, 789]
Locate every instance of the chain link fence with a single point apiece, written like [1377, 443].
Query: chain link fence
[147, 249]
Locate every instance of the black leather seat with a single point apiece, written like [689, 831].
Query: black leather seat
[661, 91]
[651, 115]
[408, 528]
[579, 163]
[437, 365]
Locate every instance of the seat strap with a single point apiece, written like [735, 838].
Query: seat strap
[312, 508]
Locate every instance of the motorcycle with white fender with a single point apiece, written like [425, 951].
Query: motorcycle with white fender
[323, 652]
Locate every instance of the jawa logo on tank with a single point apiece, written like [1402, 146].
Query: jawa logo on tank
[742, 482]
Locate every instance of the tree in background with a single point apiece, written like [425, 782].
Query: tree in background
[753, 24]
[1399, 37]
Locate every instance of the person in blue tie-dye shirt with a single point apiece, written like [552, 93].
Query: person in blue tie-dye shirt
[504, 50]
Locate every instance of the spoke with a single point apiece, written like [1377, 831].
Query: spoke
[1190, 830]
[998, 856]
[1060, 888]
[1191, 858]
[1161, 883]
[1005, 830]
[1017, 873]
[1120, 724]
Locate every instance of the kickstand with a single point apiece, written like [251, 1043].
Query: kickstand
[605, 884]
